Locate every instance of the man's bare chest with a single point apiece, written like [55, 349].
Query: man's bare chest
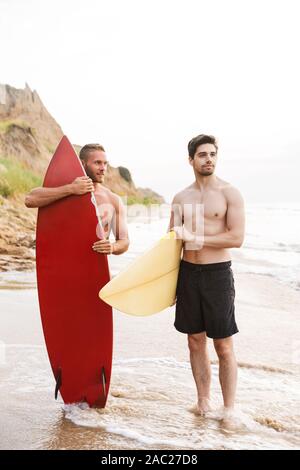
[210, 206]
[106, 211]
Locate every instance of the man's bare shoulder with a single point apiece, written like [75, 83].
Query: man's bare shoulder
[105, 195]
[231, 193]
[115, 199]
[181, 195]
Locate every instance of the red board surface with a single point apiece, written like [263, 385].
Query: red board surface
[77, 325]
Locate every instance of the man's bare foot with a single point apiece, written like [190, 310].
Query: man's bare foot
[203, 406]
[230, 420]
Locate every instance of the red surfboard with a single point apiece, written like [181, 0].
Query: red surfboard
[77, 325]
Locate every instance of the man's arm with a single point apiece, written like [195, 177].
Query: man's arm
[119, 228]
[40, 197]
[176, 217]
[234, 236]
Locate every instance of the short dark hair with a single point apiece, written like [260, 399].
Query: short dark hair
[199, 140]
[86, 149]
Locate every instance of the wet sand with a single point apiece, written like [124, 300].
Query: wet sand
[268, 343]
[267, 314]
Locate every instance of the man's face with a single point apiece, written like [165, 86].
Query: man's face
[205, 159]
[96, 165]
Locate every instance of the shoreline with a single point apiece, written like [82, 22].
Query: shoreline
[18, 230]
[266, 311]
[151, 374]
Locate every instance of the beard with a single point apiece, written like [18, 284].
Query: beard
[95, 178]
[205, 172]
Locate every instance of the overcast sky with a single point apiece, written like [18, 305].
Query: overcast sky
[144, 76]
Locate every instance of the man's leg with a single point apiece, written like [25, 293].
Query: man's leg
[201, 369]
[227, 370]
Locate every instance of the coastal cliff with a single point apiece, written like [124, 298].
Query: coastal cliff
[29, 136]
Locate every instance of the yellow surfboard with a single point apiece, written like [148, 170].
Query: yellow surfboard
[148, 284]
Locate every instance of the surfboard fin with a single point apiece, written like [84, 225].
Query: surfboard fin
[58, 383]
[103, 379]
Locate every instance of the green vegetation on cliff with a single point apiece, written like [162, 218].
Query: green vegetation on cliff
[5, 126]
[15, 178]
[29, 136]
[147, 201]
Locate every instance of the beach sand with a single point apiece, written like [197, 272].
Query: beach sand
[150, 364]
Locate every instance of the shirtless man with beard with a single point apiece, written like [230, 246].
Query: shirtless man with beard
[209, 217]
[110, 206]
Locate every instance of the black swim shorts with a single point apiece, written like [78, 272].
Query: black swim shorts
[205, 299]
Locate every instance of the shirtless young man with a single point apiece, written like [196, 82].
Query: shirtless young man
[209, 216]
[110, 206]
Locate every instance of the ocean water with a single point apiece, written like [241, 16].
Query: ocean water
[152, 392]
[271, 246]
[150, 407]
